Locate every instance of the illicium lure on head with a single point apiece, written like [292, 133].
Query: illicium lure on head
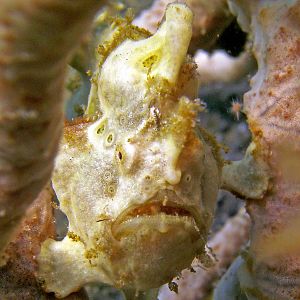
[138, 184]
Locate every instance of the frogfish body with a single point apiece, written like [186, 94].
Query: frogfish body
[139, 183]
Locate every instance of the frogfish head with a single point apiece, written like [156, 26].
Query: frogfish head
[139, 184]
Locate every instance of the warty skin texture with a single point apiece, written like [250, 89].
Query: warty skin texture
[36, 40]
[273, 110]
[139, 184]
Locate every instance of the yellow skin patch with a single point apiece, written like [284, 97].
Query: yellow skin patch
[138, 185]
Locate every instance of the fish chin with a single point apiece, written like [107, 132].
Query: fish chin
[157, 247]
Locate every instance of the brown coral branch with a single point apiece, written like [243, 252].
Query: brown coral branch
[17, 277]
[36, 40]
[273, 110]
[225, 246]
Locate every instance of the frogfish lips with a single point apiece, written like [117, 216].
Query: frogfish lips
[163, 237]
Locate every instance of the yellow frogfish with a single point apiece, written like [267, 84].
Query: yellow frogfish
[139, 183]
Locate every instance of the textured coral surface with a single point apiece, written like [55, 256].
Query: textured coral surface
[273, 109]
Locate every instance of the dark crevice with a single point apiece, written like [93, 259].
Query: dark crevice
[232, 40]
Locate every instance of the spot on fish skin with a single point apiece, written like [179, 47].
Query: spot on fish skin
[73, 236]
[101, 129]
[150, 61]
[110, 139]
[110, 189]
[120, 153]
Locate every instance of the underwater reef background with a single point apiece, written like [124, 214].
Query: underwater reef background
[158, 190]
